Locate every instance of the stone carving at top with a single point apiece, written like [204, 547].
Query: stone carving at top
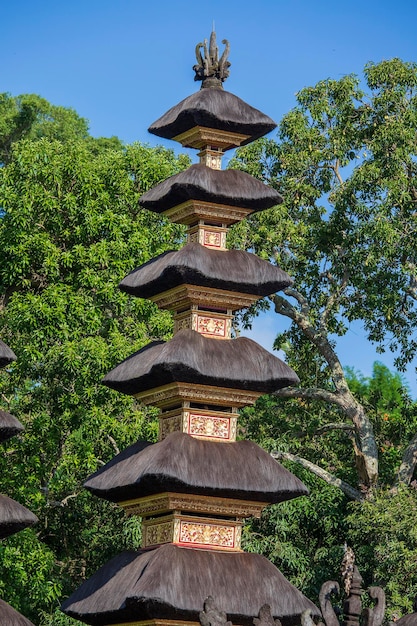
[211, 70]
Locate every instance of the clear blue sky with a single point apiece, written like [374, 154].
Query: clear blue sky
[121, 64]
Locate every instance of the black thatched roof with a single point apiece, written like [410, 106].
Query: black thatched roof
[9, 426]
[14, 517]
[10, 617]
[172, 583]
[181, 463]
[6, 354]
[213, 108]
[199, 182]
[189, 357]
[194, 264]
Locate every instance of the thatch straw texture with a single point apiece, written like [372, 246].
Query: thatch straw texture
[10, 617]
[172, 583]
[6, 354]
[231, 270]
[9, 426]
[13, 517]
[199, 182]
[190, 357]
[181, 463]
[213, 108]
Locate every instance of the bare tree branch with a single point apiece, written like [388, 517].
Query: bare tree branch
[408, 464]
[311, 393]
[114, 444]
[347, 489]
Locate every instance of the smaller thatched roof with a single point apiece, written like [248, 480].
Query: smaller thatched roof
[199, 182]
[10, 617]
[14, 517]
[213, 108]
[189, 357]
[6, 354]
[9, 426]
[184, 464]
[172, 583]
[194, 264]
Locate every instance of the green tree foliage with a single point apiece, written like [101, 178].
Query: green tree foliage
[305, 537]
[345, 161]
[384, 533]
[70, 230]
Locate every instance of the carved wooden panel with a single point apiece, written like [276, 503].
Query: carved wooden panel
[184, 296]
[192, 531]
[188, 503]
[201, 136]
[191, 210]
[216, 325]
[213, 237]
[173, 394]
[202, 424]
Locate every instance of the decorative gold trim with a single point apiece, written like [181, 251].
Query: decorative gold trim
[191, 210]
[186, 530]
[199, 423]
[212, 237]
[207, 323]
[209, 505]
[202, 137]
[184, 296]
[170, 395]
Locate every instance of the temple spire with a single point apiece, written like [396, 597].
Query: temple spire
[211, 70]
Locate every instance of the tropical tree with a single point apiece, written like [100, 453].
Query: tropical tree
[345, 161]
[70, 229]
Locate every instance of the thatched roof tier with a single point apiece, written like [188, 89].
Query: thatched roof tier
[9, 426]
[14, 517]
[6, 354]
[172, 583]
[194, 264]
[215, 109]
[10, 617]
[190, 357]
[199, 182]
[183, 464]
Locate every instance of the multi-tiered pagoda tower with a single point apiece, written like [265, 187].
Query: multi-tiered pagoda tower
[13, 516]
[194, 488]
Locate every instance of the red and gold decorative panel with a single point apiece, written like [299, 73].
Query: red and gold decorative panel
[216, 325]
[213, 237]
[200, 423]
[192, 531]
[212, 426]
[212, 157]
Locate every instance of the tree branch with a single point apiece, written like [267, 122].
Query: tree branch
[408, 464]
[351, 492]
[311, 393]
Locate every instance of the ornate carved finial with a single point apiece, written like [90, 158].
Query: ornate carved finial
[212, 616]
[210, 69]
[347, 568]
[265, 617]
